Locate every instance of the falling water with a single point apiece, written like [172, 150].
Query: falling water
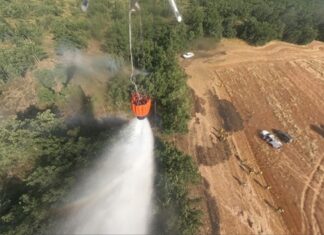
[85, 5]
[175, 10]
[116, 197]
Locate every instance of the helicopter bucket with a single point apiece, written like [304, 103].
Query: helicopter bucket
[140, 105]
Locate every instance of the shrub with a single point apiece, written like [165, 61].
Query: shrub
[46, 78]
[46, 97]
[118, 92]
[177, 212]
[16, 60]
[71, 33]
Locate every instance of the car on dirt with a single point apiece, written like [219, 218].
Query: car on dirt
[188, 55]
[283, 136]
[270, 139]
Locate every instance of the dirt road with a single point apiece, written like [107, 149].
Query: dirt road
[251, 188]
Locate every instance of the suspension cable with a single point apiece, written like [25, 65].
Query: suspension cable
[132, 79]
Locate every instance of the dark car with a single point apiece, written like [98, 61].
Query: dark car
[283, 136]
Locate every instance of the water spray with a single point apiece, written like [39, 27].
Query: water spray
[85, 5]
[117, 197]
[175, 10]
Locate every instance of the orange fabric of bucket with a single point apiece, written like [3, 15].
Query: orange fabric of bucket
[140, 108]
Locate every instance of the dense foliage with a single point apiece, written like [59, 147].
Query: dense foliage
[24, 24]
[176, 212]
[259, 21]
[39, 160]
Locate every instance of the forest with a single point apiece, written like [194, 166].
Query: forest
[41, 155]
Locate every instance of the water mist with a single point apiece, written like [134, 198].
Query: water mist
[175, 10]
[116, 198]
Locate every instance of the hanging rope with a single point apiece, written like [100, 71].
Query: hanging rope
[141, 28]
[132, 78]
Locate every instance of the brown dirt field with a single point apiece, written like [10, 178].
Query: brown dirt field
[238, 90]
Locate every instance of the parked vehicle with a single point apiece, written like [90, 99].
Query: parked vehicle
[188, 55]
[283, 136]
[270, 139]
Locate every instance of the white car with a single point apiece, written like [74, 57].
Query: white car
[188, 55]
[270, 139]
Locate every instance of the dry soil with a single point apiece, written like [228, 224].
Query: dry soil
[249, 187]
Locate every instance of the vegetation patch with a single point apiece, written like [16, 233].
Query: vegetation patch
[177, 213]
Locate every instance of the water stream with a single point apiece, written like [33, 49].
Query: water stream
[116, 198]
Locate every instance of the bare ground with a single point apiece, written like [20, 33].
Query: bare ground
[238, 91]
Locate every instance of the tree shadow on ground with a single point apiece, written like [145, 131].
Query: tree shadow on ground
[319, 129]
[32, 111]
[212, 208]
[232, 120]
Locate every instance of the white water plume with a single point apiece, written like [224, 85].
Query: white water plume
[116, 197]
[85, 5]
[175, 10]
[90, 63]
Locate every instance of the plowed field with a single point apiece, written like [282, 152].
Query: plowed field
[251, 188]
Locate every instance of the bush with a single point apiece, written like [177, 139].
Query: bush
[46, 78]
[38, 170]
[321, 32]
[117, 40]
[177, 213]
[6, 31]
[17, 10]
[48, 7]
[194, 18]
[27, 32]
[46, 97]
[212, 21]
[118, 92]
[256, 32]
[16, 60]
[71, 33]
[229, 27]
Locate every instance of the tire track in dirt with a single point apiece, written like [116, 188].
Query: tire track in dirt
[315, 223]
[305, 223]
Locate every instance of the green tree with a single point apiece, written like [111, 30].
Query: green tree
[177, 212]
[15, 61]
[117, 39]
[38, 164]
[256, 32]
[118, 91]
[194, 18]
[71, 33]
[212, 22]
